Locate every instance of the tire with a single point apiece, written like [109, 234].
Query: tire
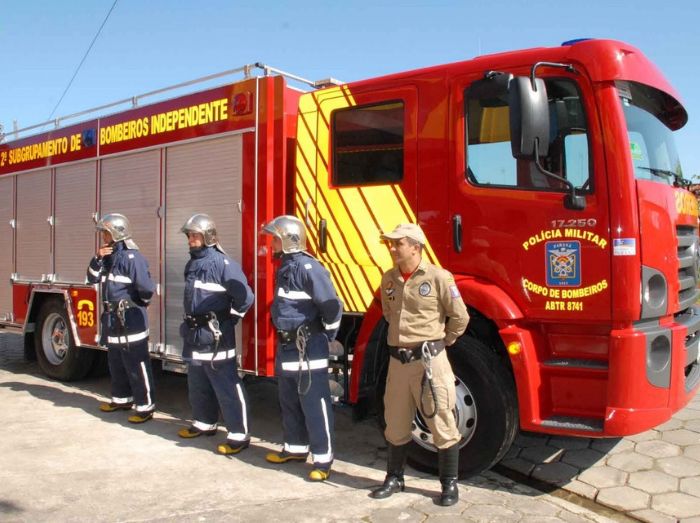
[57, 354]
[486, 411]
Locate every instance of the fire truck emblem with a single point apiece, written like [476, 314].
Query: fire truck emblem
[563, 264]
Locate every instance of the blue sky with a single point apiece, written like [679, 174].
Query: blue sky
[148, 44]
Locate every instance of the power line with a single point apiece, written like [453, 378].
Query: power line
[83, 60]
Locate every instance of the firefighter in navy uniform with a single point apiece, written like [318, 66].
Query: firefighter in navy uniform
[306, 312]
[216, 297]
[126, 290]
[418, 298]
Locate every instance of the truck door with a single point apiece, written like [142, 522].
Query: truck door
[510, 225]
[34, 225]
[204, 176]
[7, 197]
[74, 228]
[130, 185]
[355, 178]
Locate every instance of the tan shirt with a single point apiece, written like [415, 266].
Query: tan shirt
[416, 310]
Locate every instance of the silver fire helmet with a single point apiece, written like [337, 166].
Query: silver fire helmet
[203, 224]
[290, 230]
[118, 226]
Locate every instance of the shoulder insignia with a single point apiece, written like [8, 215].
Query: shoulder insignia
[454, 292]
[225, 261]
[307, 266]
[131, 256]
[389, 288]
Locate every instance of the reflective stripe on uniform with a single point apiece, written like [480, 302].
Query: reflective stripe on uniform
[313, 364]
[93, 272]
[293, 295]
[209, 286]
[236, 436]
[145, 408]
[204, 426]
[119, 278]
[131, 338]
[147, 386]
[331, 326]
[244, 410]
[236, 313]
[122, 401]
[296, 449]
[328, 456]
[207, 356]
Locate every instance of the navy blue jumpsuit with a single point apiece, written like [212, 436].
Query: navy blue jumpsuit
[305, 296]
[215, 283]
[124, 278]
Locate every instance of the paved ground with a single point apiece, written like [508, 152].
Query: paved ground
[653, 476]
[63, 460]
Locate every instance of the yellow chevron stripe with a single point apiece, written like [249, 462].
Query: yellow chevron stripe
[356, 216]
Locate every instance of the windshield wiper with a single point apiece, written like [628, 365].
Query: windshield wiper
[678, 180]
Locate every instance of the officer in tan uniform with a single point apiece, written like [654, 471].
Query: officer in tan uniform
[417, 299]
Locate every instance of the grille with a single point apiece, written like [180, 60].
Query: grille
[687, 266]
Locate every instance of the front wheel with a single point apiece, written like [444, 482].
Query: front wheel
[486, 411]
[58, 355]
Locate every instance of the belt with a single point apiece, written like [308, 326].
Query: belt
[202, 320]
[114, 306]
[305, 330]
[409, 354]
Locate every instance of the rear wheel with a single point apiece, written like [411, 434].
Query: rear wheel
[56, 351]
[485, 411]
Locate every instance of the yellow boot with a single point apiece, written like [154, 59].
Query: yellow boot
[320, 474]
[284, 456]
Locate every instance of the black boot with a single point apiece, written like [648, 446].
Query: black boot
[393, 482]
[448, 463]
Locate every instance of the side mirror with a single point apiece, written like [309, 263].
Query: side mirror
[529, 118]
[529, 130]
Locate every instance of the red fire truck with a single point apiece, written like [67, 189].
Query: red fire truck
[547, 181]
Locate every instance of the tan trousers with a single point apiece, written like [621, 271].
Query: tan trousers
[403, 394]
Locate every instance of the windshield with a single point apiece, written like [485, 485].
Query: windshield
[652, 145]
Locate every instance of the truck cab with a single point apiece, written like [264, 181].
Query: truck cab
[547, 181]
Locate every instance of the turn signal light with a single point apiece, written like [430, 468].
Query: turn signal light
[514, 348]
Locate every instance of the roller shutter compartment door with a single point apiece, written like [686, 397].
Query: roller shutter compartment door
[33, 229]
[6, 268]
[74, 225]
[201, 177]
[130, 185]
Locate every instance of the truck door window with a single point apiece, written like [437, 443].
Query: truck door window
[489, 158]
[368, 144]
